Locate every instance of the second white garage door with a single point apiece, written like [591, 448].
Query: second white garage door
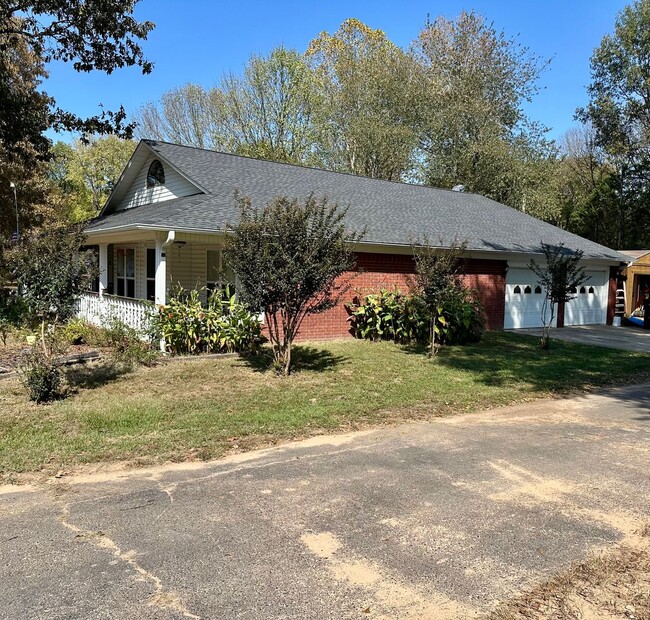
[590, 305]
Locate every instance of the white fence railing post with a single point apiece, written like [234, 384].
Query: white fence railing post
[98, 309]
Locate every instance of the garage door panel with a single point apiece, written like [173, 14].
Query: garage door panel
[524, 300]
[590, 304]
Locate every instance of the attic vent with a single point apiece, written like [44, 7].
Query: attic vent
[458, 188]
[156, 174]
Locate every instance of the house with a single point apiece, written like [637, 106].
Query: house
[165, 220]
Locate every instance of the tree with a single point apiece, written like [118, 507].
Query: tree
[85, 172]
[560, 278]
[472, 127]
[619, 111]
[266, 112]
[93, 35]
[365, 85]
[436, 280]
[52, 273]
[185, 115]
[289, 258]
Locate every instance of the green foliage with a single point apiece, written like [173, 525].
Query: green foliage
[619, 112]
[389, 315]
[78, 331]
[41, 376]
[437, 283]
[365, 88]
[405, 319]
[86, 171]
[127, 344]
[289, 258]
[559, 277]
[52, 273]
[12, 312]
[223, 325]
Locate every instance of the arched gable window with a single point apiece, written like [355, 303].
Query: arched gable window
[156, 174]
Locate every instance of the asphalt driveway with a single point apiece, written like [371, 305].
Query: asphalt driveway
[421, 521]
[624, 338]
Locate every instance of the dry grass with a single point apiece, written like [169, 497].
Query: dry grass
[609, 585]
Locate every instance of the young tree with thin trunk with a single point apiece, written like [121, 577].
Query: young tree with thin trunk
[560, 278]
[436, 280]
[289, 258]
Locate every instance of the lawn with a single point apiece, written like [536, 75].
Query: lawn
[201, 409]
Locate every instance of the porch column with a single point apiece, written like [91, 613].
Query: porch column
[103, 268]
[161, 273]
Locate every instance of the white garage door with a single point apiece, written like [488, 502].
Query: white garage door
[590, 305]
[524, 299]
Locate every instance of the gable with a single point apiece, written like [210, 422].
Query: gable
[137, 194]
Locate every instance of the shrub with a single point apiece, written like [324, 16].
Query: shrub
[127, 343]
[223, 325]
[12, 312]
[391, 315]
[41, 376]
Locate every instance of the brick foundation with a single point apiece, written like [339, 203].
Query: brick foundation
[390, 271]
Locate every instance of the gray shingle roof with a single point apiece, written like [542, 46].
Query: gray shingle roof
[391, 213]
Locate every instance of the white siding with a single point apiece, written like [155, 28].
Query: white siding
[138, 194]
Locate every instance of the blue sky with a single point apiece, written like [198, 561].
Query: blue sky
[197, 41]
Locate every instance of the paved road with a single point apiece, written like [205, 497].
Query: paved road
[421, 521]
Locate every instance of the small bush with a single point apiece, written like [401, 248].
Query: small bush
[223, 325]
[41, 376]
[391, 315]
[77, 331]
[12, 313]
[127, 343]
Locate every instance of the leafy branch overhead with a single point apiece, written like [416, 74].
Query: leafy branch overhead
[92, 35]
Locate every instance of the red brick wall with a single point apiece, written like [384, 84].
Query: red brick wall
[390, 271]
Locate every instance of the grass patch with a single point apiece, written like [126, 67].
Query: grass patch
[203, 409]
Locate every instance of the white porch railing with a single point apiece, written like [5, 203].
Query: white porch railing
[98, 310]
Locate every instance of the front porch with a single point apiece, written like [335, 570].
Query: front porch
[140, 268]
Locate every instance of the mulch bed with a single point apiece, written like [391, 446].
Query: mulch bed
[11, 353]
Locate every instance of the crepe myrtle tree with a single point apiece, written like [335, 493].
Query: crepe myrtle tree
[436, 281]
[289, 258]
[559, 278]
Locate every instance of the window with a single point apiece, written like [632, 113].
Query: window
[126, 272]
[517, 289]
[591, 290]
[217, 272]
[151, 274]
[538, 290]
[156, 174]
[528, 290]
[583, 289]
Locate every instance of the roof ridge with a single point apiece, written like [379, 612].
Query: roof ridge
[305, 167]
